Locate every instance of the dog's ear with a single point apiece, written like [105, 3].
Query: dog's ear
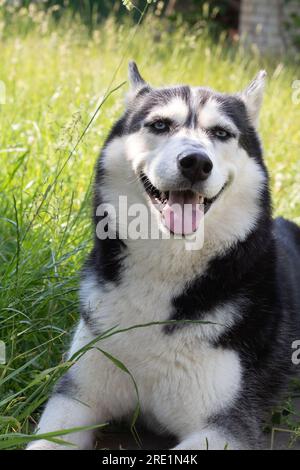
[253, 96]
[136, 82]
[135, 79]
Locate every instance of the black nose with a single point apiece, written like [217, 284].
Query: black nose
[195, 166]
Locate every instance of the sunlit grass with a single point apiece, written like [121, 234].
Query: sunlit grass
[55, 77]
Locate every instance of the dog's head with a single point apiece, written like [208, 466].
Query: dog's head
[182, 146]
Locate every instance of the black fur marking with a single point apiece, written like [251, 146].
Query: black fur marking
[90, 320]
[86, 316]
[117, 131]
[235, 109]
[65, 386]
[201, 98]
[192, 119]
[143, 91]
[106, 257]
[198, 102]
[106, 260]
[155, 97]
[204, 94]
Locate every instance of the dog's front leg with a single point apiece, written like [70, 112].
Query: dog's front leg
[63, 412]
[92, 392]
[209, 439]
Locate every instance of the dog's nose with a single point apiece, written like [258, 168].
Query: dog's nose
[195, 166]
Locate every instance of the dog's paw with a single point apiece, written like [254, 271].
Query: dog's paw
[43, 444]
[186, 445]
[209, 439]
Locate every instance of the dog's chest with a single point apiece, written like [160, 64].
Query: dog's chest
[178, 374]
[173, 371]
[142, 299]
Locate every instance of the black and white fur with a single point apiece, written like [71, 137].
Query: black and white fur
[206, 383]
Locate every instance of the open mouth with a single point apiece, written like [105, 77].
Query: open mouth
[181, 210]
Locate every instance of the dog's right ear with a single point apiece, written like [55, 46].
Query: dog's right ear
[136, 82]
[135, 79]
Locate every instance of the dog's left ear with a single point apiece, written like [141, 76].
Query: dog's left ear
[253, 96]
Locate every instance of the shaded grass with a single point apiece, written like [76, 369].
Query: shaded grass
[56, 76]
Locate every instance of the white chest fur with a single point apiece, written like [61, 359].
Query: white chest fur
[180, 373]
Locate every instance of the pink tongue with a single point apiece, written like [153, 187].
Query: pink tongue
[182, 213]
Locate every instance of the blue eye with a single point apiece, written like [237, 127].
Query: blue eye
[221, 134]
[160, 125]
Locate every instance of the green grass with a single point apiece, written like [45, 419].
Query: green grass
[55, 77]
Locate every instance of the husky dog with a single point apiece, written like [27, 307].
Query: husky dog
[206, 334]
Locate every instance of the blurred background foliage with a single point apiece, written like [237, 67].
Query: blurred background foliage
[218, 15]
[270, 24]
[292, 23]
